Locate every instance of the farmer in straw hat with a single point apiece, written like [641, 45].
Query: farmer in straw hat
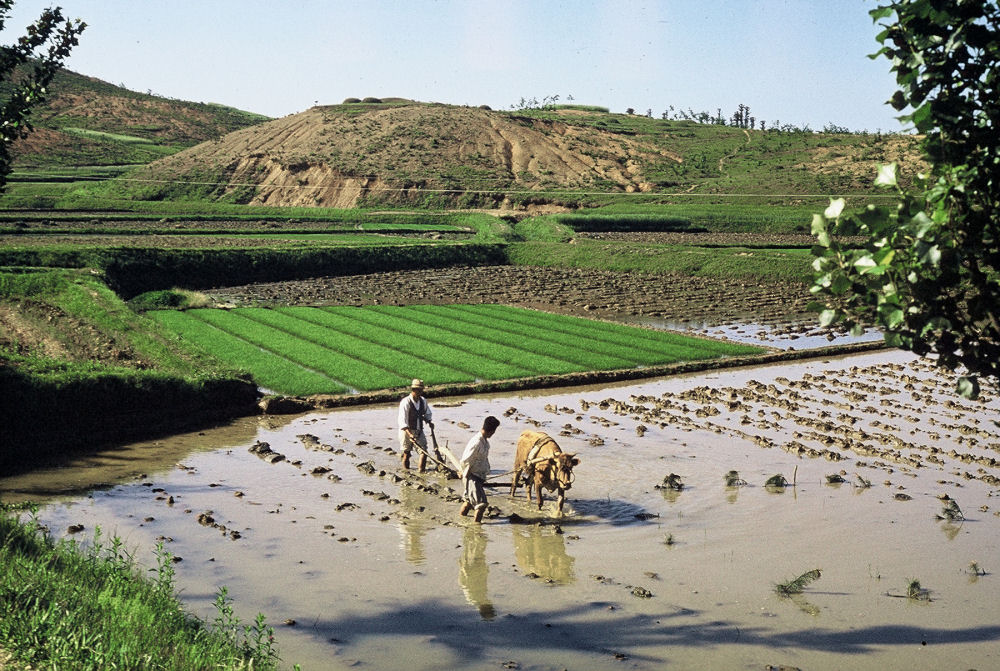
[414, 412]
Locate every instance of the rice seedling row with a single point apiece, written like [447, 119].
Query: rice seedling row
[576, 335]
[491, 345]
[362, 322]
[269, 369]
[640, 340]
[530, 338]
[346, 369]
[367, 348]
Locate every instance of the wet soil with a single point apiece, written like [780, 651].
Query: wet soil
[357, 562]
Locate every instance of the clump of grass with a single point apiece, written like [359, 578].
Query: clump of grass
[733, 479]
[776, 481]
[951, 511]
[975, 569]
[798, 585]
[166, 299]
[862, 483]
[71, 608]
[835, 479]
[671, 482]
[916, 592]
[669, 540]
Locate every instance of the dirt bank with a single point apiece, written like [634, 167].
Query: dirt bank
[599, 294]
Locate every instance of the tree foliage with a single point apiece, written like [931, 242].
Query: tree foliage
[929, 273]
[30, 65]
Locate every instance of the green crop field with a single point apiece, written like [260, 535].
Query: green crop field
[301, 350]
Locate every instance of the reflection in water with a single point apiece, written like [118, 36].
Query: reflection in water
[670, 495]
[472, 571]
[542, 553]
[413, 525]
[950, 529]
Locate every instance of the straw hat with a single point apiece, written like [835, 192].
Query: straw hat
[417, 383]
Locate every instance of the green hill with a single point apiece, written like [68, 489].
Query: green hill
[86, 121]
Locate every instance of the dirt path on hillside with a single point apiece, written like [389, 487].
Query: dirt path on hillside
[620, 296]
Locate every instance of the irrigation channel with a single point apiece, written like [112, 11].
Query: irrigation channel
[358, 564]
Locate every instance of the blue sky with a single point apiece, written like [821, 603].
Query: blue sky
[795, 61]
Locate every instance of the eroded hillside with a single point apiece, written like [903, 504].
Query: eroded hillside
[417, 153]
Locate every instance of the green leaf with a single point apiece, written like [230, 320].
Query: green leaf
[881, 12]
[865, 264]
[898, 101]
[840, 284]
[891, 316]
[815, 306]
[818, 224]
[827, 317]
[932, 255]
[968, 387]
[886, 175]
[921, 118]
[923, 224]
[835, 208]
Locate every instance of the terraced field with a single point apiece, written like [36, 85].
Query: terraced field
[310, 350]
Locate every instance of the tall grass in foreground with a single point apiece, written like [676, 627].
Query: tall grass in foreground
[68, 608]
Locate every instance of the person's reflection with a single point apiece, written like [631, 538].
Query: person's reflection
[472, 572]
[543, 554]
[412, 525]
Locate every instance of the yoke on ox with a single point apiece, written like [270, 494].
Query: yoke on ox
[543, 464]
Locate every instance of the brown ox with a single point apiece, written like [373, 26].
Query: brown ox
[544, 465]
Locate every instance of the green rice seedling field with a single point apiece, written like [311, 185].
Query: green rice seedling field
[269, 369]
[302, 350]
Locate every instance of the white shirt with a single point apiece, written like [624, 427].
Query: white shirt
[476, 457]
[413, 413]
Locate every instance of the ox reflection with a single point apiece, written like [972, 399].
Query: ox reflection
[540, 550]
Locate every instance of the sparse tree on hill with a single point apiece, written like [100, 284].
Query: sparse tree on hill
[30, 64]
[929, 274]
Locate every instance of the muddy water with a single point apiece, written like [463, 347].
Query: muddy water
[373, 568]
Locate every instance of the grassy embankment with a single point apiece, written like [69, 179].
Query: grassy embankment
[79, 368]
[69, 608]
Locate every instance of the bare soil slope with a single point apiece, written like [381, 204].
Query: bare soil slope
[327, 157]
[430, 154]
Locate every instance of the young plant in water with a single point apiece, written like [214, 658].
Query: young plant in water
[835, 479]
[798, 585]
[733, 479]
[975, 569]
[672, 482]
[776, 481]
[916, 592]
[950, 511]
[862, 483]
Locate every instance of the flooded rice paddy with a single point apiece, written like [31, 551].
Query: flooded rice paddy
[358, 564]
